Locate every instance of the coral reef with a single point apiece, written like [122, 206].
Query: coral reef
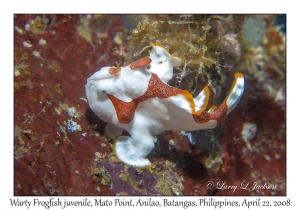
[54, 144]
[197, 39]
[59, 144]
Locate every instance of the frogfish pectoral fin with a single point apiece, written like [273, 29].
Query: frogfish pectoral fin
[133, 153]
[228, 104]
[236, 92]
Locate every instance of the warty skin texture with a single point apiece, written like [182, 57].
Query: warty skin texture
[136, 98]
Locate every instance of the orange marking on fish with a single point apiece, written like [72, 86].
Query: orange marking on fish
[115, 71]
[157, 88]
[141, 63]
[216, 115]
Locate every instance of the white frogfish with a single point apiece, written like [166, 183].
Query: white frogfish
[137, 98]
